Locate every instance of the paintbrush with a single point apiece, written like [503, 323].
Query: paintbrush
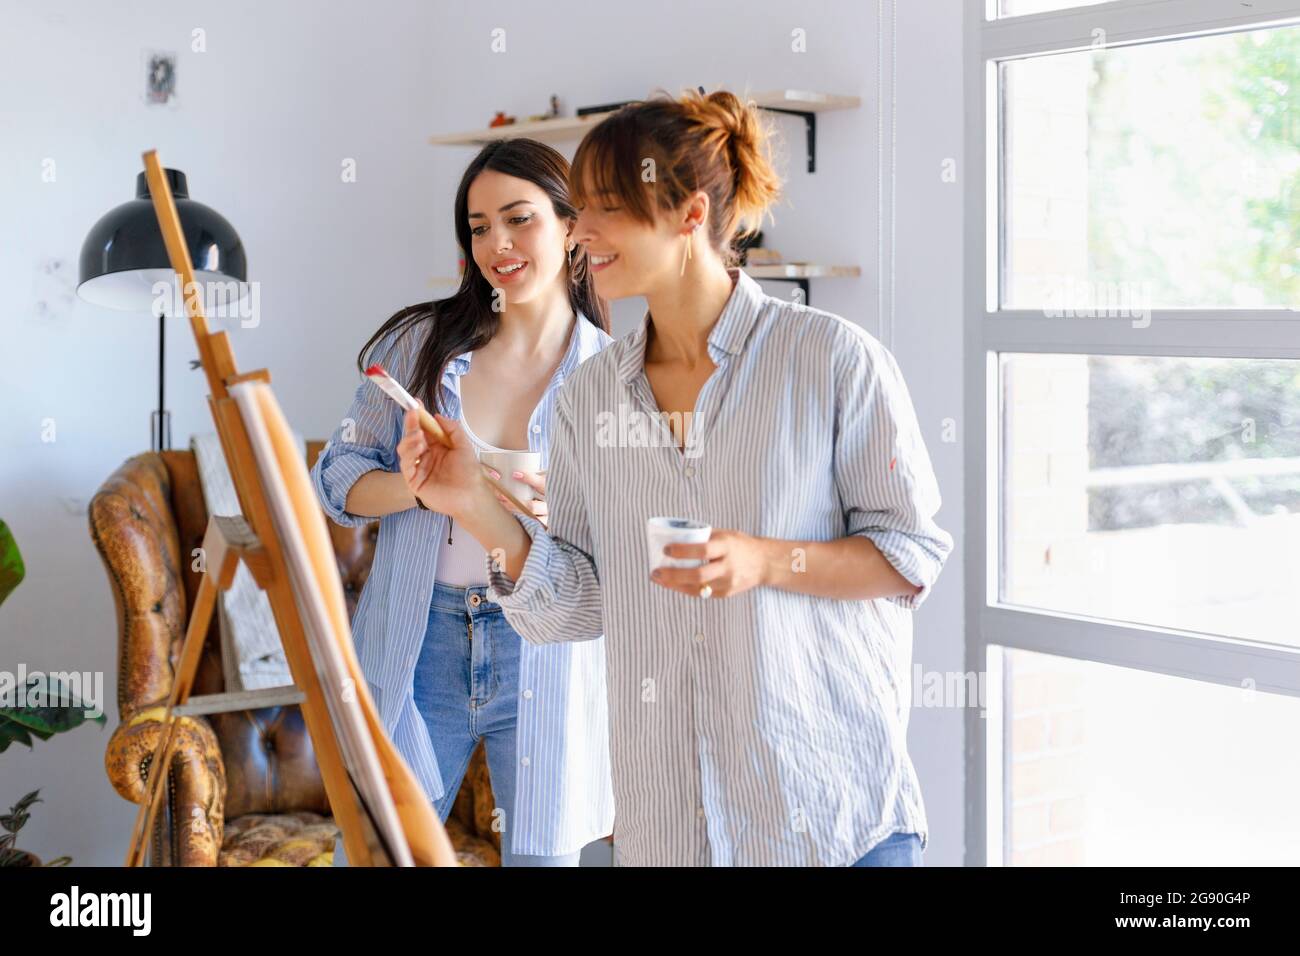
[394, 390]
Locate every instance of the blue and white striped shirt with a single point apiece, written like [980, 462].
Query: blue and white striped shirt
[766, 728]
[564, 800]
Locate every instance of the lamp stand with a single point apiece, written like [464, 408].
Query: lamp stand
[160, 421]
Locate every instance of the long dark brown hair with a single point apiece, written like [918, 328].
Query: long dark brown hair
[465, 320]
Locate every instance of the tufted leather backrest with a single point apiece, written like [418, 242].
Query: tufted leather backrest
[148, 519]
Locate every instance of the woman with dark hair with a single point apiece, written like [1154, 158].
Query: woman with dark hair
[444, 666]
[759, 699]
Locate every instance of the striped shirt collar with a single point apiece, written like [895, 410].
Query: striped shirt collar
[729, 335]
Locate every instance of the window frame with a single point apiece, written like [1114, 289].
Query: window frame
[989, 330]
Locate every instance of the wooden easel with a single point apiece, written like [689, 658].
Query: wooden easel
[252, 538]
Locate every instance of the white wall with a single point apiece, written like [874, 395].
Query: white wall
[928, 343]
[265, 117]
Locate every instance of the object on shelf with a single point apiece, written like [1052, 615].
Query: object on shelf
[501, 120]
[761, 257]
[552, 113]
[603, 108]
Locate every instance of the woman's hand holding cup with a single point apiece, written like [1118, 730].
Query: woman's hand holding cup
[518, 472]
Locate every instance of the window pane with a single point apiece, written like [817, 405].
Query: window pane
[1161, 491]
[1107, 766]
[1164, 175]
[1016, 8]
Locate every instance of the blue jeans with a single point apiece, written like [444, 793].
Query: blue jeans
[467, 690]
[897, 849]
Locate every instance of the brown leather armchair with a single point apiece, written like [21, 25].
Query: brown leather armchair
[243, 788]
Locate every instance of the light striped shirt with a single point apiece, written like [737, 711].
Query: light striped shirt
[766, 728]
[563, 798]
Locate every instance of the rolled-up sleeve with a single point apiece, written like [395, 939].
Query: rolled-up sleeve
[557, 597]
[365, 440]
[883, 472]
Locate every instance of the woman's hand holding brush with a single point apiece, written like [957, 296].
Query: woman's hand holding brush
[451, 480]
[444, 479]
[441, 469]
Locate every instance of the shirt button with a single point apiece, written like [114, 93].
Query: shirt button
[524, 761]
[699, 638]
[690, 471]
[537, 429]
[699, 812]
[528, 695]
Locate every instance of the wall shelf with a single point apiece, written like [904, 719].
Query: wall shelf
[800, 273]
[802, 103]
[805, 104]
[801, 270]
[797, 272]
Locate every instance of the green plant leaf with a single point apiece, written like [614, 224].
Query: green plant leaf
[11, 730]
[13, 820]
[43, 721]
[11, 562]
[11, 823]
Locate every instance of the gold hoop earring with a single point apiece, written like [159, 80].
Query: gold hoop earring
[687, 254]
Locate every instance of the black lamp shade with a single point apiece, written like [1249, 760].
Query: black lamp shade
[124, 253]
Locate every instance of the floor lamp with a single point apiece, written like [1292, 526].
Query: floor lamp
[124, 260]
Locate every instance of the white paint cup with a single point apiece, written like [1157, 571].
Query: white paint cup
[505, 463]
[663, 531]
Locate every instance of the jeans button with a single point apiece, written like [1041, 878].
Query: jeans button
[475, 600]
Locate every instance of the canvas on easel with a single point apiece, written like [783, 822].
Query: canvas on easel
[384, 814]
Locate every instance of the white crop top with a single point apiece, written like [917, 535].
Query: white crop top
[463, 562]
